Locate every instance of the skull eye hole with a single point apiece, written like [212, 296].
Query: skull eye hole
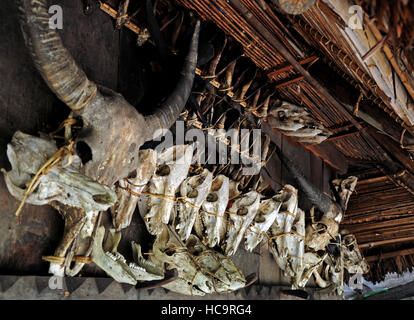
[212, 197]
[164, 170]
[101, 198]
[259, 218]
[84, 151]
[351, 247]
[242, 211]
[192, 194]
[294, 228]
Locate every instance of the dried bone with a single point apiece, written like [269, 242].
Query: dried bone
[345, 188]
[64, 184]
[173, 165]
[194, 190]
[241, 214]
[311, 262]
[212, 222]
[113, 130]
[106, 257]
[320, 233]
[285, 217]
[354, 262]
[290, 255]
[296, 121]
[168, 249]
[227, 277]
[129, 189]
[263, 220]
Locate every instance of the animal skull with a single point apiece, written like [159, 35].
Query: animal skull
[242, 213]
[130, 188]
[297, 122]
[266, 215]
[112, 129]
[114, 264]
[354, 262]
[211, 223]
[195, 191]
[172, 168]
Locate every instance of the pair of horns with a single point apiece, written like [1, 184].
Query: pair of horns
[70, 83]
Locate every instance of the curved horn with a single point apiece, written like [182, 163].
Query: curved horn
[318, 198]
[52, 59]
[169, 111]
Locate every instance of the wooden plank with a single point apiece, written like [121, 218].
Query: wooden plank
[388, 255]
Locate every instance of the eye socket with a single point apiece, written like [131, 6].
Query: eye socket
[212, 197]
[259, 218]
[242, 211]
[193, 193]
[164, 170]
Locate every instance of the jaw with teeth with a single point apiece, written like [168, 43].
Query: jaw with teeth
[173, 165]
[195, 191]
[242, 213]
[114, 264]
[211, 222]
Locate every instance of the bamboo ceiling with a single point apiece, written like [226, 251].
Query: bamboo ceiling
[380, 211]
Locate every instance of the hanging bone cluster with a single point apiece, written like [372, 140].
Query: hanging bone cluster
[294, 121]
[199, 215]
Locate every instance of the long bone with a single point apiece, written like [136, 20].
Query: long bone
[129, 189]
[194, 190]
[211, 223]
[241, 214]
[156, 207]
